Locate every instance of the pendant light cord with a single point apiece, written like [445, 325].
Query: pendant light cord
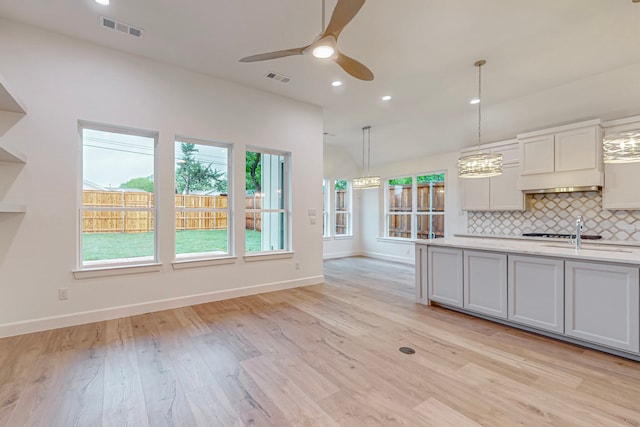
[479, 64]
[368, 130]
[363, 151]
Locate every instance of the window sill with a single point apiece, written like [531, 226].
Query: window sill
[267, 256]
[400, 240]
[326, 238]
[120, 270]
[202, 262]
[343, 237]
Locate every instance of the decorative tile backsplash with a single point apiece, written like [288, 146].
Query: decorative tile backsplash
[556, 213]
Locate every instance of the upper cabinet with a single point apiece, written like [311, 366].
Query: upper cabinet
[498, 193]
[621, 179]
[566, 156]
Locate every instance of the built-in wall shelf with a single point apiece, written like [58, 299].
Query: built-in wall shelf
[10, 155]
[8, 102]
[12, 208]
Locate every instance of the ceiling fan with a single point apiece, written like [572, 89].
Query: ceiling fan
[325, 46]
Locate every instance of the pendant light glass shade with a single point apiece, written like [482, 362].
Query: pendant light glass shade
[622, 147]
[480, 165]
[366, 182]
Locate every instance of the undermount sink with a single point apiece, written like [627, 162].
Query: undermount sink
[598, 249]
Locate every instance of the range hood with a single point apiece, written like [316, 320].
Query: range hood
[563, 189]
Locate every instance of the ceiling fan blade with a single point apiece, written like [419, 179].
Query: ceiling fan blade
[343, 14]
[353, 67]
[274, 55]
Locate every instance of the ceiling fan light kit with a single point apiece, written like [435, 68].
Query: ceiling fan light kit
[480, 165]
[325, 46]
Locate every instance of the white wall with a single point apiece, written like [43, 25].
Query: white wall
[61, 81]
[372, 207]
[339, 165]
[369, 205]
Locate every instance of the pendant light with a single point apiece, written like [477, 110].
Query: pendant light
[623, 147]
[480, 165]
[365, 182]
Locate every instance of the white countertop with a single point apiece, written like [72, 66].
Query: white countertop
[560, 248]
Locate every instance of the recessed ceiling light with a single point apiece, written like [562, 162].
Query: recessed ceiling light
[336, 83]
[386, 97]
[103, 2]
[474, 101]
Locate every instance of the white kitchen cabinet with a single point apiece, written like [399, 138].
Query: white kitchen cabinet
[603, 304]
[566, 156]
[537, 155]
[485, 283]
[621, 186]
[444, 275]
[498, 193]
[620, 191]
[536, 292]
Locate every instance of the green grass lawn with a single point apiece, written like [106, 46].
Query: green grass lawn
[98, 246]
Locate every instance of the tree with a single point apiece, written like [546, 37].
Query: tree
[192, 175]
[253, 172]
[143, 183]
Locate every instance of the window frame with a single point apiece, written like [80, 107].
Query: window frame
[414, 213]
[347, 211]
[326, 208]
[106, 263]
[286, 202]
[200, 256]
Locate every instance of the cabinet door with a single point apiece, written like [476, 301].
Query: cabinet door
[504, 194]
[621, 186]
[485, 283]
[576, 149]
[475, 194]
[602, 304]
[537, 155]
[536, 292]
[444, 269]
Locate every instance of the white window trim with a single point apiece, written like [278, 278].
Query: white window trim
[414, 206]
[182, 260]
[348, 211]
[111, 267]
[326, 211]
[286, 201]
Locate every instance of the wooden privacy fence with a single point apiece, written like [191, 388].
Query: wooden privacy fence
[253, 220]
[119, 220]
[430, 198]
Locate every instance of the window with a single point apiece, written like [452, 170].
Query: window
[202, 199]
[118, 211]
[415, 206]
[343, 207]
[326, 191]
[267, 201]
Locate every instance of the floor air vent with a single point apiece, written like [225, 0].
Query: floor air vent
[279, 77]
[112, 24]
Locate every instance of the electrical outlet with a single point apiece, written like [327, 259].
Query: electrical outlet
[312, 221]
[63, 294]
[297, 265]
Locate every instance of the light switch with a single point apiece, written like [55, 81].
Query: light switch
[311, 212]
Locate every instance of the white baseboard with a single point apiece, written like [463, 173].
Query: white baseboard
[387, 257]
[343, 254]
[84, 317]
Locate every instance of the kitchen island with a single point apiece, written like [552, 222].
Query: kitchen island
[589, 296]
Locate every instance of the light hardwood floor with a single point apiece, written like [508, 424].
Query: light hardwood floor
[322, 355]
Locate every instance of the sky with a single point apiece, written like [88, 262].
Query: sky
[111, 159]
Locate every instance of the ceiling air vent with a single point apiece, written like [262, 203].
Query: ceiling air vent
[279, 77]
[112, 24]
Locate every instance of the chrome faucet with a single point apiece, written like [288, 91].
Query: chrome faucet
[579, 223]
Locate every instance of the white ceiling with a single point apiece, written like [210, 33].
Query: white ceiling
[548, 61]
